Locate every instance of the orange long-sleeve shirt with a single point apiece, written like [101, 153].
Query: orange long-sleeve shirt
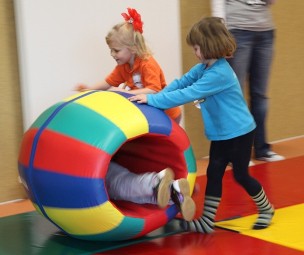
[146, 73]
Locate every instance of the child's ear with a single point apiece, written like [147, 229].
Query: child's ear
[133, 51]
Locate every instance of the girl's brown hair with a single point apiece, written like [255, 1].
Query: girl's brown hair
[124, 35]
[213, 38]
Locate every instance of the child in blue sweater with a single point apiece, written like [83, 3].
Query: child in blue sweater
[213, 85]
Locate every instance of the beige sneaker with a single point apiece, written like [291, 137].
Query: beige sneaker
[180, 195]
[163, 188]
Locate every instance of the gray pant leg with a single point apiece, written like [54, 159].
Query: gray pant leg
[125, 185]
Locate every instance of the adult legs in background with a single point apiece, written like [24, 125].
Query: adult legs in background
[252, 62]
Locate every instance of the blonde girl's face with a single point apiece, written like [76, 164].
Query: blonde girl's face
[122, 55]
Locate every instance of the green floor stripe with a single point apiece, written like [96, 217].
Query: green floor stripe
[30, 233]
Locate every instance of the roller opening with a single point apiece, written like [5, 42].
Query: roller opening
[148, 153]
[65, 155]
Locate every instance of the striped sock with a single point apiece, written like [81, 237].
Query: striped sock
[266, 210]
[205, 224]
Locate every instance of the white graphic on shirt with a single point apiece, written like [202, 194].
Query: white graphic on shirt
[137, 80]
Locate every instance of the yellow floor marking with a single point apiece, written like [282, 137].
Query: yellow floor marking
[287, 227]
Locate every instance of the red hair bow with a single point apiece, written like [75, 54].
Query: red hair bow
[134, 18]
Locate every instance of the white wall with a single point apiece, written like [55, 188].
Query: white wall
[61, 43]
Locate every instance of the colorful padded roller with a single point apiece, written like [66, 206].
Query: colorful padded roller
[64, 157]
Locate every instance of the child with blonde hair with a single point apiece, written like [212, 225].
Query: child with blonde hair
[136, 68]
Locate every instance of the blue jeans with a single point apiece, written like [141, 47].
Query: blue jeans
[251, 63]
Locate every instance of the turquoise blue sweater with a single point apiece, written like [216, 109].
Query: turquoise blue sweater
[224, 109]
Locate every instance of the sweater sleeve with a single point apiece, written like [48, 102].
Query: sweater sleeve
[199, 89]
[186, 80]
[115, 78]
[203, 86]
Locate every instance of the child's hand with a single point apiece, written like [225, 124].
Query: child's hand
[116, 89]
[81, 87]
[142, 98]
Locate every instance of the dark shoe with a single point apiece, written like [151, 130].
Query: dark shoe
[264, 219]
[180, 195]
[270, 156]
